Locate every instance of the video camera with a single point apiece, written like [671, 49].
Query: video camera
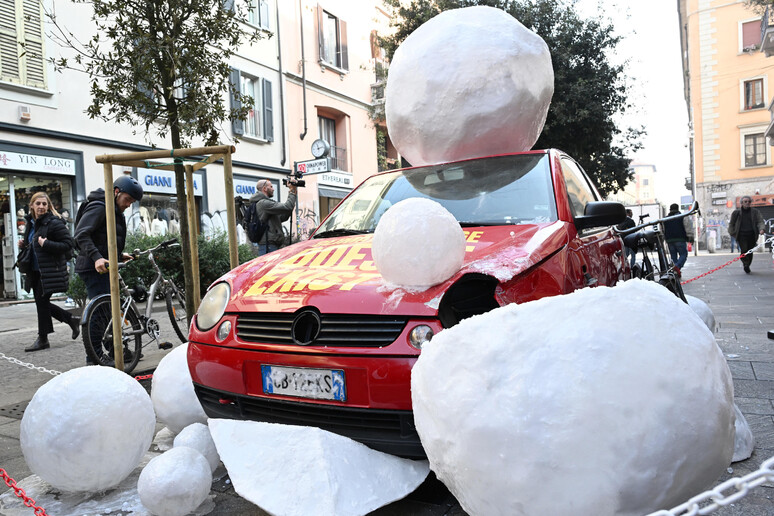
[295, 179]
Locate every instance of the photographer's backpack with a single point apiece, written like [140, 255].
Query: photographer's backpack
[254, 226]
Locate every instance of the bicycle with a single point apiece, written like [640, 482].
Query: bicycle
[97, 321]
[656, 263]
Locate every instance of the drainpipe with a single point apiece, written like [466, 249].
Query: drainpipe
[282, 87]
[303, 66]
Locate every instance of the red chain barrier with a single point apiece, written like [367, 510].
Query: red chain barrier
[29, 502]
[713, 270]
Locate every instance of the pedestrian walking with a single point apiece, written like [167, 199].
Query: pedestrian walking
[47, 236]
[677, 234]
[91, 234]
[628, 223]
[745, 225]
[274, 213]
[734, 244]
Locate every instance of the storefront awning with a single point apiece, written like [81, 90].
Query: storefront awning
[332, 192]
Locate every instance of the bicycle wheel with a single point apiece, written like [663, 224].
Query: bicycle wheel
[97, 330]
[177, 313]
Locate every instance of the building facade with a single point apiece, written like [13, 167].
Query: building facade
[726, 81]
[310, 76]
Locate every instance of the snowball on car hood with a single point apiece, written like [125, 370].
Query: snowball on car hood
[303, 274]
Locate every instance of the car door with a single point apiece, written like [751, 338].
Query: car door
[599, 252]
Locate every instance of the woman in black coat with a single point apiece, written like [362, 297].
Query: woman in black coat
[52, 244]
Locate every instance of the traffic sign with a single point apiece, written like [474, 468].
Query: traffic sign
[314, 166]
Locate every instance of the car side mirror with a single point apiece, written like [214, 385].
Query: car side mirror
[601, 213]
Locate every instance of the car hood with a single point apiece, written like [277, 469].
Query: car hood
[338, 275]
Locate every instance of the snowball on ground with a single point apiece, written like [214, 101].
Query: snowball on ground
[197, 436]
[418, 243]
[87, 429]
[744, 440]
[607, 401]
[703, 310]
[173, 394]
[175, 483]
[468, 83]
[297, 470]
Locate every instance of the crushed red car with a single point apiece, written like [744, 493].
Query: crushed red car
[312, 335]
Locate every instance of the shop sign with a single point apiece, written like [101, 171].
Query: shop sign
[314, 166]
[36, 163]
[244, 188]
[163, 181]
[342, 179]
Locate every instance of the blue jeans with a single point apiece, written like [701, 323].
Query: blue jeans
[679, 252]
[96, 283]
[265, 248]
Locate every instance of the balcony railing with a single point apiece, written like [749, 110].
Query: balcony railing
[339, 158]
[767, 33]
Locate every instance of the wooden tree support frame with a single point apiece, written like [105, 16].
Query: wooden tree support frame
[142, 160]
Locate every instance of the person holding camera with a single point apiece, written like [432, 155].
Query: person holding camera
[274, 213]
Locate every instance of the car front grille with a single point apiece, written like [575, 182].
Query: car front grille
[390, 431]
[369, 331]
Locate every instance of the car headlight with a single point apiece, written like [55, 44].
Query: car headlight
[420, 335]
[213, 305]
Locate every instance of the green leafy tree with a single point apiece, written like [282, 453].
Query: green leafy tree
[590, 92]
[162, 66]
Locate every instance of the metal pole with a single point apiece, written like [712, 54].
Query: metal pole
[233, 249]
[115, 300]
[192, 234]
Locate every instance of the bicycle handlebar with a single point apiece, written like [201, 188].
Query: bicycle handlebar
[163, 245]
[629, 231]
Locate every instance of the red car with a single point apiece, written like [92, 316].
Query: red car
[311, 335]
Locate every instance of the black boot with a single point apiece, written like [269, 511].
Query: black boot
[75, 324]
[40, 343]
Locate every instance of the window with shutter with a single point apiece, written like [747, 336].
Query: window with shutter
[332, 36]
[259, 123]
[22, 56]
[258, 14]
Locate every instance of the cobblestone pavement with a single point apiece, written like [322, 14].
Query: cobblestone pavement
[743, 305]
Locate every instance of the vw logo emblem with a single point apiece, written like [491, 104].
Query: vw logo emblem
[305, 328]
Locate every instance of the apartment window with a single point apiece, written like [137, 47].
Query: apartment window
[332, 36]
[258, 14]
[645, 181]
[327, 128]
[753, 94]
[754, 150]
[751, 34]
[260, 119]
[22, 60]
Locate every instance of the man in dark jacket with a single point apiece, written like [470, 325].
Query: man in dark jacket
[274, 212]
[745, 225]
[628, 223]
[91, 234]
[677, 234]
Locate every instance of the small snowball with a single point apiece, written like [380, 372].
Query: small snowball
[173, 394]
[175, 483]
[702, 310]
[624, 408]
[744, 440]
[87, 429]
[468, 83]
[418, 243]
[197, 436]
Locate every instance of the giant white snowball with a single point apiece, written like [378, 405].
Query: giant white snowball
[607, 401]
[418, 243]
[173, 394]
[197, 436]
[175, 483]
[87, 429]
[468, 83]
[703, 310]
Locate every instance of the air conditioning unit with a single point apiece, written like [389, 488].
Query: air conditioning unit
[24, 113]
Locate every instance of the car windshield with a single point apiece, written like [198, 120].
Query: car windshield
[497, 191]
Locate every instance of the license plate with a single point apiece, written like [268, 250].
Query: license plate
[319, 384]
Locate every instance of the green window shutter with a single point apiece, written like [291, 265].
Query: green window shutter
[268, 112]
[34, 58]
[235, 78]
[9, 42]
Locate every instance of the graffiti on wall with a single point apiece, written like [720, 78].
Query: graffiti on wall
[307, 220]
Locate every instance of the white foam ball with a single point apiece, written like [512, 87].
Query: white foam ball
[175, 483]
[418, 243]
[87, 429]
[703, 310]
[173, 394]
[623, 408]
[468, 83]
[197, 436]
[744, 440]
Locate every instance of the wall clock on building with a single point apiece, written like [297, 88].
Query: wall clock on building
[320, 148]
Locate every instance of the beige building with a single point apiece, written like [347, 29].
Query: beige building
[641, 189]
[727, 92]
